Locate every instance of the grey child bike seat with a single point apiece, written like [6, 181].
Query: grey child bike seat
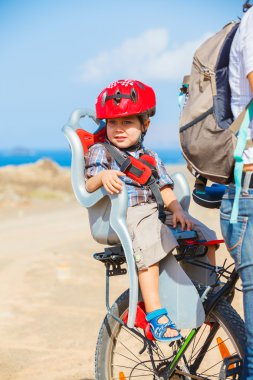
[107, 217]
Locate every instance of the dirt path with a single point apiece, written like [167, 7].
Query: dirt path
[49, 320]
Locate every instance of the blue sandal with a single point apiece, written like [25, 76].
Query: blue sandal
[158, 329]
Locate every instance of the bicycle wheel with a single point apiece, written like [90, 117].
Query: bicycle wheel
[120, 353]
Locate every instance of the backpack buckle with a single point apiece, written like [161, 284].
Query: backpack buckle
[200, 184]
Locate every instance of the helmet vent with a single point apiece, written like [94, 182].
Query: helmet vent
[104, 98]
[140, 85]
[117, 97]
[134, 96]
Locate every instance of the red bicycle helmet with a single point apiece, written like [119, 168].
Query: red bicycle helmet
[125, 98]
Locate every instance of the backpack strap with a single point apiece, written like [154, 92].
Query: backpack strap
[141, 171]
[240, 124]
[237, 123]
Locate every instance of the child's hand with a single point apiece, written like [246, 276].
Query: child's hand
[111, 182]
[180, 217]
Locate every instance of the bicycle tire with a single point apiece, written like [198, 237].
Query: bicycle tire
[228, 320]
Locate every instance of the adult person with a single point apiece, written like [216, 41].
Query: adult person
[239, 236]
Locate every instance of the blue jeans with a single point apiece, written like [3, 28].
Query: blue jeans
[239, 241]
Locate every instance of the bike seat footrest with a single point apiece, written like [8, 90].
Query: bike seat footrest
[115, 270]
[113, 258]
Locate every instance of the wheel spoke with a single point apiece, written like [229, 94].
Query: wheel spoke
[131, 333]
[136, 369]
[158, 348]
[204, 349]
[126, 357]
[130, 377]
[221, 361]
[138, 360]
[195, 344]
[210, 349]
[193, 347]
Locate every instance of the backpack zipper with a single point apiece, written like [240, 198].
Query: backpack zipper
[200, 65]
[205, 73]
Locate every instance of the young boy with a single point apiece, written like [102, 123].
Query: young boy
[127, 106]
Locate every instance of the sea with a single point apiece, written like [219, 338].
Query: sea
[63, 157]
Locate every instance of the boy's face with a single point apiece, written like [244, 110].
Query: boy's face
[124, 132]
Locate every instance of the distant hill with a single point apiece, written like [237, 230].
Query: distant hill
[43, 179]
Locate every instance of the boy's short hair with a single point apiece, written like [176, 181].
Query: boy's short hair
[146, 115]
[143, 117]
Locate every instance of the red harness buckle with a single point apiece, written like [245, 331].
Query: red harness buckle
[144, 174]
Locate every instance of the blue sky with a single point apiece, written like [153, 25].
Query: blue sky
[58, 55]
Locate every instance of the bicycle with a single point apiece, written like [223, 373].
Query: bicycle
[127, 353]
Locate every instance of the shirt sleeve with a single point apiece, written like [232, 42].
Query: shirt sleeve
[96, 160]
[247, 48]
[163, 177]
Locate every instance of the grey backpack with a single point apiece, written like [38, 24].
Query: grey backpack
[207, 131]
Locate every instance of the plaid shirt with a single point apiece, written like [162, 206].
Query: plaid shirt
[98, 159]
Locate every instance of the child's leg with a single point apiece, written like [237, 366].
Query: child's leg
[149, 284]
[211, 254]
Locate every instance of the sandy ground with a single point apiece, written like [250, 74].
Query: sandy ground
[52, 291]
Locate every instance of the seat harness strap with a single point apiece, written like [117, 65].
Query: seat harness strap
[141, 171]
